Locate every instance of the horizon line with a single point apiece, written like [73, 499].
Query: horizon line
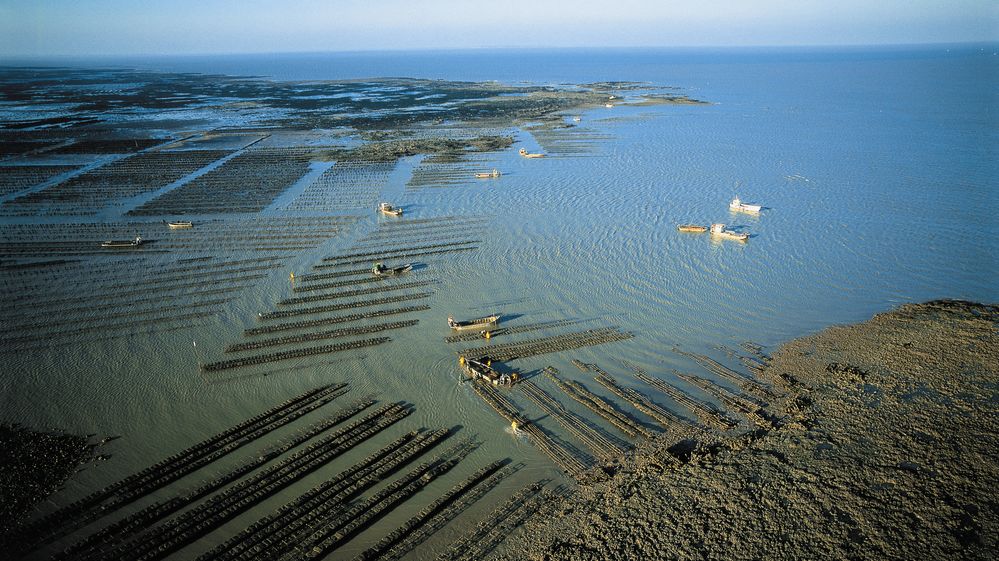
[973, 43]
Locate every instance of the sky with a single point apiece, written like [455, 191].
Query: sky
[134, 27]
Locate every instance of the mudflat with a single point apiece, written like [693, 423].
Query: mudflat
[884, 446]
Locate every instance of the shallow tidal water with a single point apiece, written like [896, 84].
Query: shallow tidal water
[877, 170]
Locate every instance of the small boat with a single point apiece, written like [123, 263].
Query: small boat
[482, 369]
[577, 119]
[523, 152]
[390, 210]
[124, 243]
[487, 175]
[738, 206]
[609, 105]
[692, 228]
[720, 231]
[380, 270]
[485, 323]
[180, 224]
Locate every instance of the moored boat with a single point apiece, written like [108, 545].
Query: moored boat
[124, 243]
[523, 152]
[386, 208]
[180, 224]
[739, 206]
[380, 270]
[485, 323]
[720, 231]
[482, 369]
[692, 228]
[487, 175]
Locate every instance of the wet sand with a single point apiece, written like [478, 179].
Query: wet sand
[887, 447]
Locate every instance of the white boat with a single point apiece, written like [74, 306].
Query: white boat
[487, 175]
[386, 208]
[739, 206]
[180, 224]
[718, 230]
[523, 152]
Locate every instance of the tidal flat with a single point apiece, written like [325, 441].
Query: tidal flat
[881, 445]
[198, 281]
[144, 204]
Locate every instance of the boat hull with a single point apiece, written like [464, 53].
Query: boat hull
[731, 236]
[392, 271]
[523, 152]
[481, 324]
[719, 231]
[390, 210]
[478, 370]
[692, 228]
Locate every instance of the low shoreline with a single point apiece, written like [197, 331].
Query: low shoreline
[887, 447]
[34, 465]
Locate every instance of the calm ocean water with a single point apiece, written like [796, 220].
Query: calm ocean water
[877, 168]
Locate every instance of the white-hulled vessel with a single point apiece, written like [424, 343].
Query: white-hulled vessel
[718, 230]
[739, 206]
[386, 208]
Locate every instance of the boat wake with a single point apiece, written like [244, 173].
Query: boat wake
[516, 433]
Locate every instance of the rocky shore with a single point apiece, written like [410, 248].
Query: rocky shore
[33, 465]
[887, 447]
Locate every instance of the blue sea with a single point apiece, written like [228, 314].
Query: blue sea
[877, 165]
[878, 171]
